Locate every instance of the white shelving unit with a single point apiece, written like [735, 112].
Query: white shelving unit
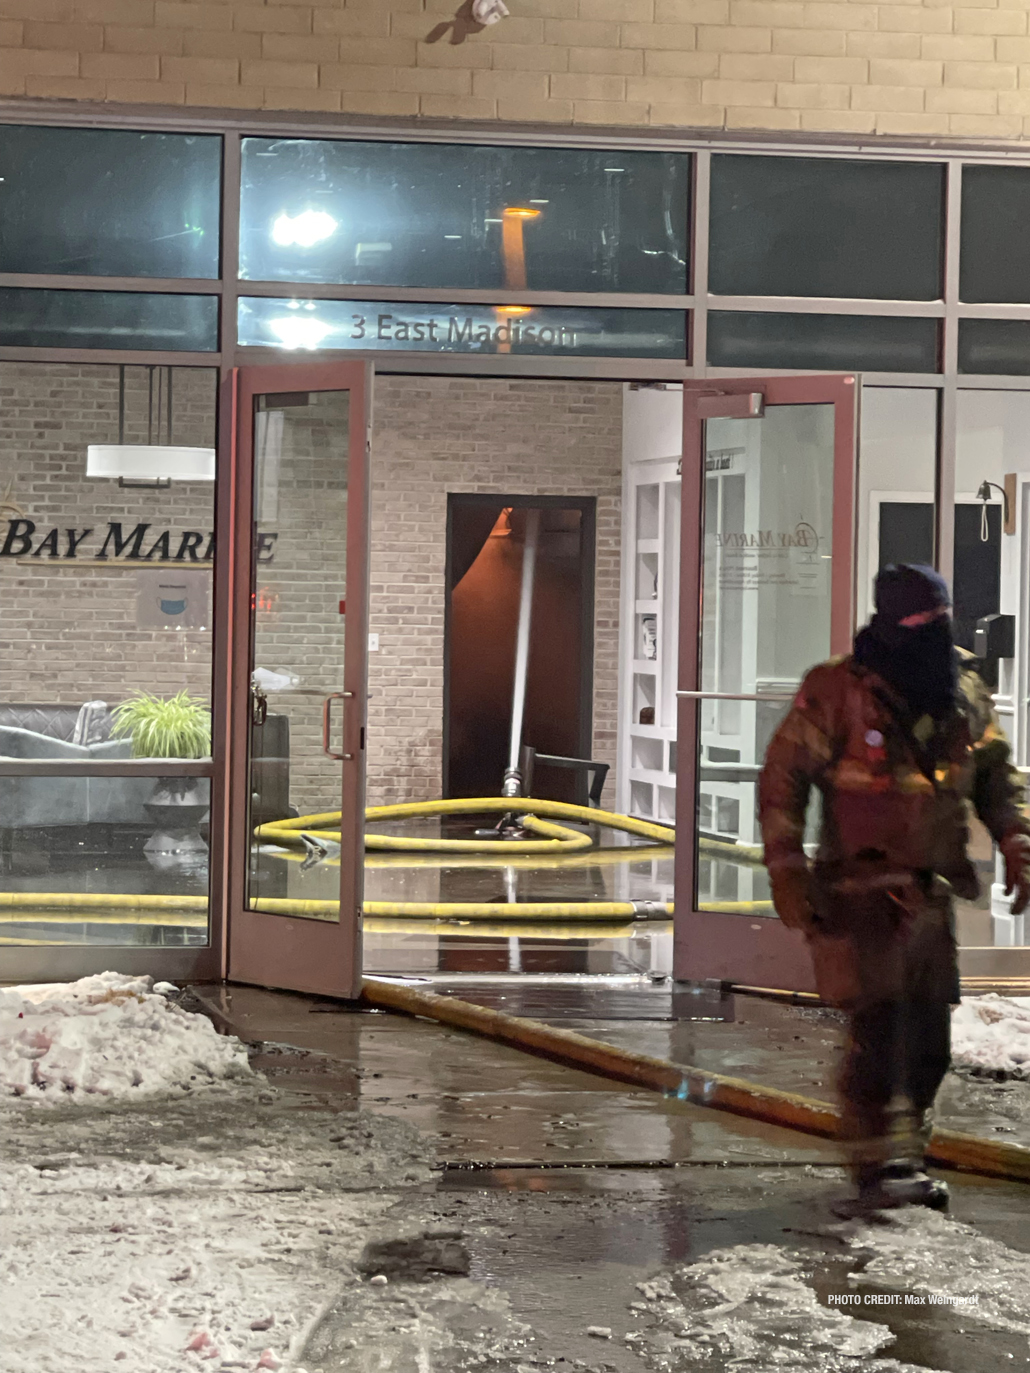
[652, 442]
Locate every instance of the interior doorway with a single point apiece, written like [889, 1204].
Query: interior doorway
[486, 539]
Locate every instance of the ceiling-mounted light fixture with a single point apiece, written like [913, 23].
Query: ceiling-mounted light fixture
[151, 464]
[489, 11]
[303, 230]
[300, 331]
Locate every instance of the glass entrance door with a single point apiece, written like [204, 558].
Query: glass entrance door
[296, 852]
[766, 592]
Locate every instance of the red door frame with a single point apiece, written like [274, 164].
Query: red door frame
[714, 944]
[274, 950]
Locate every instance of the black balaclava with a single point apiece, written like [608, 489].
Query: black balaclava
[919, 662]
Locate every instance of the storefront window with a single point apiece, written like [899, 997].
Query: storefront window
[108, 319]
[109, 202]
[490, 330]
[106, 567]
[806, 226]
[995, 253]
[830, 343]
[441, 215]
[994, 347]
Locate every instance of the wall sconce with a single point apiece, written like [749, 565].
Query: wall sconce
[152, 464]
[1008, 505]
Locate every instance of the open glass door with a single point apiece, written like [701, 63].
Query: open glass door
[299, 696]
[767, 591]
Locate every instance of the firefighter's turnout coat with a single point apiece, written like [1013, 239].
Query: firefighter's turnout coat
[893, 832]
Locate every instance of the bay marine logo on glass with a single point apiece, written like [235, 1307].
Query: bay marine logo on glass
[802, 536]
[114, 542]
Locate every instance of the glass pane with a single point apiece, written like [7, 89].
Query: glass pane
[109, 202]
[384, 326]
[896, 482]
[108, 319]
[806, 226]
[299, 592]
[871, 343]
[991, 432]
[996, 347]
[768, 545]
[106, 596]
[423, 214]
[994, 263]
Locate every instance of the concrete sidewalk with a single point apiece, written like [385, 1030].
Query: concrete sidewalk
[572, 1189]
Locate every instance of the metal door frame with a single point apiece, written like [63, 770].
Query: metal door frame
[276, 950]
[714, 944]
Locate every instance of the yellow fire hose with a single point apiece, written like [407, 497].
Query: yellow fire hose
[948, 1148]
[529, 809]
[557, 847]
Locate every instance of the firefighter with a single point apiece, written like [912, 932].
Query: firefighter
[898, 738]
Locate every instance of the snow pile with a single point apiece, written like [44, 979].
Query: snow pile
[109, 1035]
[750, 1307]
[921, 1251]
[205, 1232]
[992, 1034]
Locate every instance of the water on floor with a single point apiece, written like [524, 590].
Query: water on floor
[571, 1190]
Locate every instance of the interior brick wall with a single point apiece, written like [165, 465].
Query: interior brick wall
[434, 435]
[68, 631]
[825, 66]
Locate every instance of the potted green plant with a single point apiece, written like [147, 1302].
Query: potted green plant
[170, 727]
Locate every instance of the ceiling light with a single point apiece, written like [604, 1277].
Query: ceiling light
[296, 332]
[304, 230]
[150, 462]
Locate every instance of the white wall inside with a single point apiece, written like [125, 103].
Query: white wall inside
[897, 453]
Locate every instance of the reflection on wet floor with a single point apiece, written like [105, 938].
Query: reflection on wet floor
[487, 1103]
[586, 1186]
[93, 860]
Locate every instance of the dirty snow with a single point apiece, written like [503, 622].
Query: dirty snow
[922, 1251]
[211, 1231]
[763, 1307]
[991, 1033]
[111, 1036]
[750, 1307]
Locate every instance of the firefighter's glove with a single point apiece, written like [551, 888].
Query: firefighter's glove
[1015, 849]
[790, 894]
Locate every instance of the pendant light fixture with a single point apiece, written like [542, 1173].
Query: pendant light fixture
[158, 462]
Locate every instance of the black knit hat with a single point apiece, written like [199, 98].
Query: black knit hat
[909, 589]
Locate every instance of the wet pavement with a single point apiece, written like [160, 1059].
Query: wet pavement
[571, 1189]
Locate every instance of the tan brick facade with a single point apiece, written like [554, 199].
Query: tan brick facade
[822, 66]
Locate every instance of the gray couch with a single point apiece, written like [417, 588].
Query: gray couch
[31, 731]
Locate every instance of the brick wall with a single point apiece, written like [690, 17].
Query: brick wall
[825, 66]
[69, 631]
[434, 435]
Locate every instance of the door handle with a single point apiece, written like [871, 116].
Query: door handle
[258, 706]
[734, 696]
[327, 706]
